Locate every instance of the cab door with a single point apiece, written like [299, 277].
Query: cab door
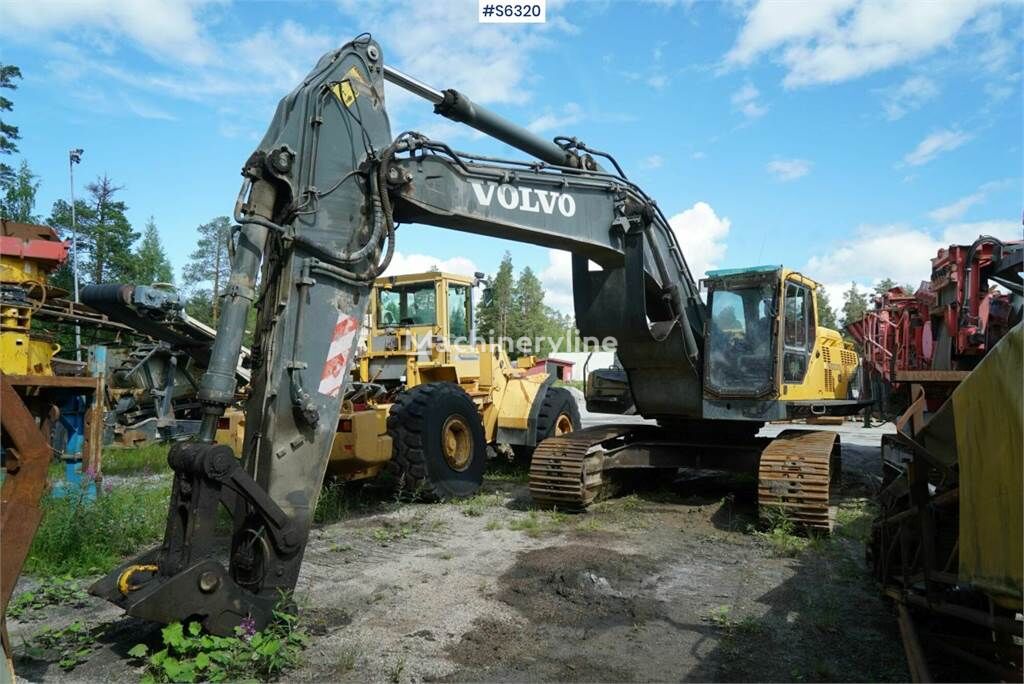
[798, 327]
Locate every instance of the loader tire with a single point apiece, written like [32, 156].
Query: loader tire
[558, 415]
[438, 448]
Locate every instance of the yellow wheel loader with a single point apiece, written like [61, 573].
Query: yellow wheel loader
[427, 399]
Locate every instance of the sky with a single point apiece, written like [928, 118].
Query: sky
[850, 139]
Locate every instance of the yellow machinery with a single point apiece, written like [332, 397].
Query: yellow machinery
[426, 400]
[764, 340]
[27, 254]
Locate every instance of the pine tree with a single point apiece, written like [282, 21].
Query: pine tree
[18, 200]
[529, 317]
[210, 263]
[200, 306]
[855, 305]
[105, 237]
[884, 285]
[8, 132]
[495, 310]
[60, 220]
[151, 264]
[826, 314]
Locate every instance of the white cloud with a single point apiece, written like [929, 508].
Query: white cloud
[745, 100]
[912, 94]
[557, 280]
[280, 56]
[934, 145]
[702, 235]
[166, 29]
[786, 170]
[697, 156]
[147, 111]
[657, 81]
[830, 41]
[655, 161]
[896, 251]
[419, 263]
[442, 42]
[956, 210]
[570, 115]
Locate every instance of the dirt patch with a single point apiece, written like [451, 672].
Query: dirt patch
[579, 586]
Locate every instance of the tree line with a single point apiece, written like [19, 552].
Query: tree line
[109, 248]
[513, 308]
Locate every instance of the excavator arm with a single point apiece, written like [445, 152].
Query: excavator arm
[316, 222]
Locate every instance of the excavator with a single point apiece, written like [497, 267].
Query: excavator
[316, 224]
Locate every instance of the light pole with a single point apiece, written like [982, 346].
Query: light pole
[75, 157]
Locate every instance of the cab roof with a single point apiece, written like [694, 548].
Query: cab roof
[425, 277]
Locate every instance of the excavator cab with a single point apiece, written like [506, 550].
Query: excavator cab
[766, 358]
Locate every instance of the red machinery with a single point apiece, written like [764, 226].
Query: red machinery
[940, 332]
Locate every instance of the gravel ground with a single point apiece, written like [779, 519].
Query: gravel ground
[674, 584]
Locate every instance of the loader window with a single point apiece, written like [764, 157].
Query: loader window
[458, 312]
[407, 305]
[739, 344]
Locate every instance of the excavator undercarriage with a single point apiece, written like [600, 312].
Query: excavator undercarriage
[795, 470]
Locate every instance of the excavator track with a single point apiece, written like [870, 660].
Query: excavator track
[795, 474]
[566, 471]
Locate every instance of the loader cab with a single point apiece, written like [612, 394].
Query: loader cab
[430, 303]
[412, 320]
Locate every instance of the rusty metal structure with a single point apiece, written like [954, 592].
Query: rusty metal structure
[26, 459]
[30, 393]
[947, 545]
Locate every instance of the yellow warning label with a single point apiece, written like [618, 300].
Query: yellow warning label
[345, 90]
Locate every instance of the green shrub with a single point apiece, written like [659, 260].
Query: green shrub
[190, 655]
[79, 536]
[151, 458]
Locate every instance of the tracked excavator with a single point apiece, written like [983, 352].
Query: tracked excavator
[316, 223]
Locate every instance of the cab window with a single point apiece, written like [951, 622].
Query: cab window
[407, 305]
[798, 326]
[458, 312]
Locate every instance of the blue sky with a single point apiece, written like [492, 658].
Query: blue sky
[847, 138]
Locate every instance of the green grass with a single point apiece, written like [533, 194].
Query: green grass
[854, 518]
[504, 470]
[781, 534]
[475, 506]
[535, 524]
[81, 537]
[340, 500]
[148, 459]
[55, 591]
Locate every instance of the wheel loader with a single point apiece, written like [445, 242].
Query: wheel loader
[321, 198]
[426, 399]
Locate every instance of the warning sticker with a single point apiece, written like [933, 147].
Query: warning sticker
[346, 89]
[333, 376]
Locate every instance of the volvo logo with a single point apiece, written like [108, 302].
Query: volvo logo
[524, 199]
